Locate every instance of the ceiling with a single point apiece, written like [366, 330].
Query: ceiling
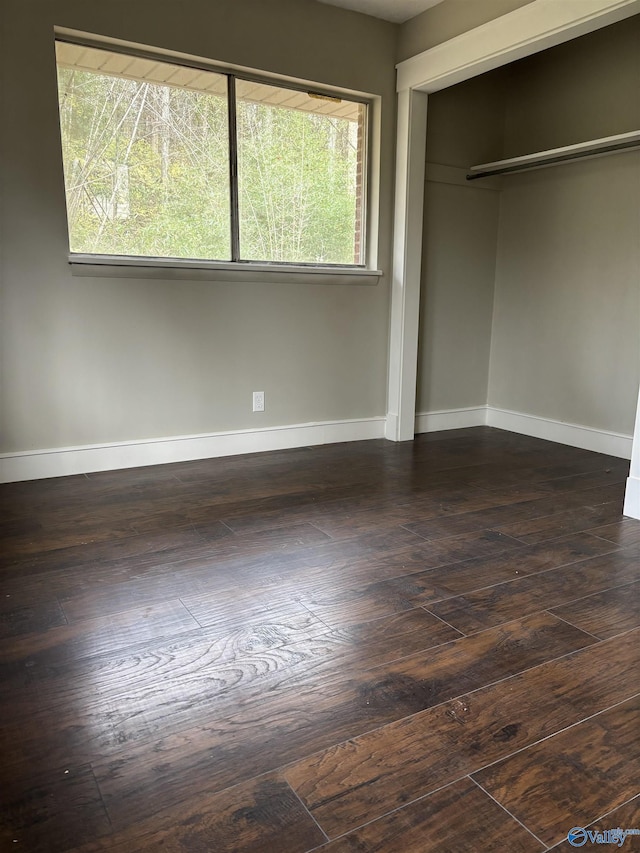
[390, 10]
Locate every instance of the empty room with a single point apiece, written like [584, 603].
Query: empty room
[319, 425]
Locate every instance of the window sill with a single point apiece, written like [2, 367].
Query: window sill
[110, 266]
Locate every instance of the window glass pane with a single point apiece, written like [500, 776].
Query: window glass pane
[300, 174]
[146, 153]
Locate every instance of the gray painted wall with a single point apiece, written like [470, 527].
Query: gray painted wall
[585, 89]
[459, 259]
[465, 125]
[566, 330]
[448, 20]
[94, 360]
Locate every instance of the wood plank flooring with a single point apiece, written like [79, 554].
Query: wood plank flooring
[400, 648]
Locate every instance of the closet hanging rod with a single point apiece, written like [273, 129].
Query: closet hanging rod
[594, 148]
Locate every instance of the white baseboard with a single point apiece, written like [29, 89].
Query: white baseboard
[575, 435]
[63, 461]
[451, 419]
[632, 498]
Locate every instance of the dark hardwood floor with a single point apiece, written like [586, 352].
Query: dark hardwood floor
[429, 646]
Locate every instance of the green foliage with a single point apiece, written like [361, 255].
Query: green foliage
[297, 198]
[146, 171]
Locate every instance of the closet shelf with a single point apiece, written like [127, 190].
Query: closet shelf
[542, 159]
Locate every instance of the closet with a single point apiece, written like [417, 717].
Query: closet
[530, 292]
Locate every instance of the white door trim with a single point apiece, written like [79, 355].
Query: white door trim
[407, 263]
[537, 26]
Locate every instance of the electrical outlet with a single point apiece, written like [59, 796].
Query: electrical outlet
[258, 401]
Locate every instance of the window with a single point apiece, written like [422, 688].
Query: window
[163, 160]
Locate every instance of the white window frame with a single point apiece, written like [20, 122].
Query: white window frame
[125, 266]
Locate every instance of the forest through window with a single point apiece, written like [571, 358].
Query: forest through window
[172, 161]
